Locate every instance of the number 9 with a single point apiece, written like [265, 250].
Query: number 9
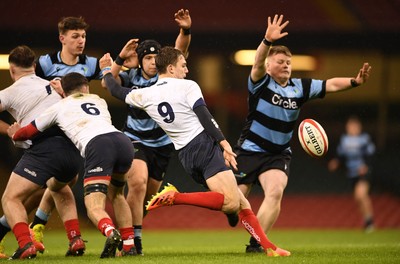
[165, 110]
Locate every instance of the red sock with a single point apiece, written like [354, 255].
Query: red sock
[250, 222]
[105, 226]
[22, 234]
[210, 200]
[127, 238]
[72, 228]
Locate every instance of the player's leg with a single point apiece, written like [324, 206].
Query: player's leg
[18, 189]
[64, 201]
[123, 216]
[137, 185]
[42, 215]
[44, 210]
[273, 183]
[233, 218]
[95, 195]
[363, 200]
[227, 181]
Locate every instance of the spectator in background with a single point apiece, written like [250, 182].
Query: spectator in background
[354, 152]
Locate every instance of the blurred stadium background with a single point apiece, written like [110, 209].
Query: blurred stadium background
[339, 34]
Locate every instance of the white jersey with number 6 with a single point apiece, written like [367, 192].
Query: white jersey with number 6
[81, 116]
[170, 103]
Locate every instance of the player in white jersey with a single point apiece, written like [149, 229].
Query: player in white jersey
[72, 35]
[153, 148]
[177, 105]
[49, 160]
[85, 119]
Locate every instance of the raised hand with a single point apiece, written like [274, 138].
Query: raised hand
[128, 53]
[275, 27]
[182, 18]
[363, 74]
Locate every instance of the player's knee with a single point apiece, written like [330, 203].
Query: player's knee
[274, 193]
[95, 187]
[139, 184]
[231, 205]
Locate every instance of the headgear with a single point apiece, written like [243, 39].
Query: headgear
[148, 46]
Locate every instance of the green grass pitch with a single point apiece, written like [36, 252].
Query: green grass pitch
[227, 246]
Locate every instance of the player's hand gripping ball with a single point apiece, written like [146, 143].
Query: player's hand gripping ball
[313, 138]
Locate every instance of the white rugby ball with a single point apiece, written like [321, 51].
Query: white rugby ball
[313, 138]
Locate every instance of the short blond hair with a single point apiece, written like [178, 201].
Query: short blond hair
[279, 50]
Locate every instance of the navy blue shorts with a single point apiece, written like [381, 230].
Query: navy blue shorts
[156, 158]
[252, 164]
[202, 158]
[108, 153]
[53, 157]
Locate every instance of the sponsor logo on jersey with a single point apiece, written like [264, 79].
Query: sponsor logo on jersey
[97, 169]
[33, 173]
[286, 103]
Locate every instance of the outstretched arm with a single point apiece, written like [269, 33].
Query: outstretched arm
[114, 87]
[182, 18]
[343, 83]
[273, 33]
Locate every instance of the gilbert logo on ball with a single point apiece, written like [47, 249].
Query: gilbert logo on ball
[313, 138]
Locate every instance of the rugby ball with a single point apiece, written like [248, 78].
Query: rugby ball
[313, 138]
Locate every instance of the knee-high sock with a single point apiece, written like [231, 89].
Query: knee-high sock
[127, 237]
[106, 226]
[210, 200]
[72, 228]
[22, 234]
[250, 222]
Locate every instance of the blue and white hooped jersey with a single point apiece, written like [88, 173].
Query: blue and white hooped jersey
[273, 112]
[50, 66]
[139, 126]
[355, 150]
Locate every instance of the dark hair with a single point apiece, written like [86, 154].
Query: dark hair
[148, 46]
[279, 50]
[22, 56]
[72, 23]
[168, 55]
[73, 81]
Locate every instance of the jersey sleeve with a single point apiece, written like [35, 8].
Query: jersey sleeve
[193, 94]
[42, 65]
[4, 102]
[254, 86]
[125, 77]
[317, 89]
[134, 98]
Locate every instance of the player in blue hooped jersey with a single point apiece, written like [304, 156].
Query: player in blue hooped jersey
[72, 35]
[354, 151]
[275, 100]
